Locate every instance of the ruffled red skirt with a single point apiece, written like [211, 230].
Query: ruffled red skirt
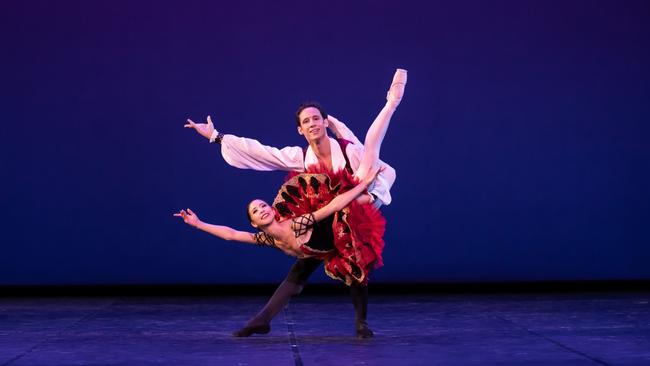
[358, 228]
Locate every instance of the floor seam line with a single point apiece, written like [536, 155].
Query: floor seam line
[293, 341]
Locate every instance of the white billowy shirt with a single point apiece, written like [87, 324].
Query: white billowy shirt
[245, 153]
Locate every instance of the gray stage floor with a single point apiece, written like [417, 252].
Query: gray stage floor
[477, 329]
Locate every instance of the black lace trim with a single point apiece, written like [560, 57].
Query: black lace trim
[302, 224]
[263, 238]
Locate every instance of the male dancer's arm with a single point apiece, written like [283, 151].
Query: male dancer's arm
[249, 154]
[245, 153]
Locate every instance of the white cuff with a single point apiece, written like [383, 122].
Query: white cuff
[214, 135]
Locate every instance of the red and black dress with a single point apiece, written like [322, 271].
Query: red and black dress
[350, 241]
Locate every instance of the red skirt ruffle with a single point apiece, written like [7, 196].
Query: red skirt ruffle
[358, 228]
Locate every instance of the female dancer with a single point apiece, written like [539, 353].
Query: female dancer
[308, 235]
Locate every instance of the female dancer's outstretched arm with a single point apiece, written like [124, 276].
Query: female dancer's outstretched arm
[344, 199]
[377, 130]
[224, 232]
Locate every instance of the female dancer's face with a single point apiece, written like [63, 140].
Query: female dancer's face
[312, 124]
[261, 213]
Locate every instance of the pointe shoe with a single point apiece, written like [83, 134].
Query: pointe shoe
[396, 91]
[363, 331]
[249, 330]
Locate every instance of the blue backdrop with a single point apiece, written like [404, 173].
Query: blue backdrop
[521, 146]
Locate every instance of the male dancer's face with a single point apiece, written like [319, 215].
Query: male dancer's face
[312, 124]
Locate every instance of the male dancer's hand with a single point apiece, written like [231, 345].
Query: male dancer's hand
[204, 129]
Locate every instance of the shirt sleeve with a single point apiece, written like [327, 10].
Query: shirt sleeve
[384, 181]
[245, 153]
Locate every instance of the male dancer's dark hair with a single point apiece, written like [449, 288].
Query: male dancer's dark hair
[309, 104]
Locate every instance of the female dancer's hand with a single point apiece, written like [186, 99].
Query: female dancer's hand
[334, 130]
[372, 174]
[189, 217]
[204, 129]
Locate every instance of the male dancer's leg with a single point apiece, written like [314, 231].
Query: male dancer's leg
[360, 300]
[292, 285]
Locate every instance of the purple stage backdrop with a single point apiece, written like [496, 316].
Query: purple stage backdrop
[521, 146]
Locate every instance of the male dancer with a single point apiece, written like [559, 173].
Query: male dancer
[312, 123]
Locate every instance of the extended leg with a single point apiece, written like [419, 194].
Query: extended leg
[360, 300]
[377, 130]
[292, 285]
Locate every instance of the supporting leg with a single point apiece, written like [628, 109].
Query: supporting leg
[292, 285]
[360, 300]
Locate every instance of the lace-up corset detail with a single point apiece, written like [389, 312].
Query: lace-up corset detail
[263, 238]
[301, 224]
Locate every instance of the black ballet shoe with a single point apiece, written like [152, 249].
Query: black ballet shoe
[249, 330]
[363, 331]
